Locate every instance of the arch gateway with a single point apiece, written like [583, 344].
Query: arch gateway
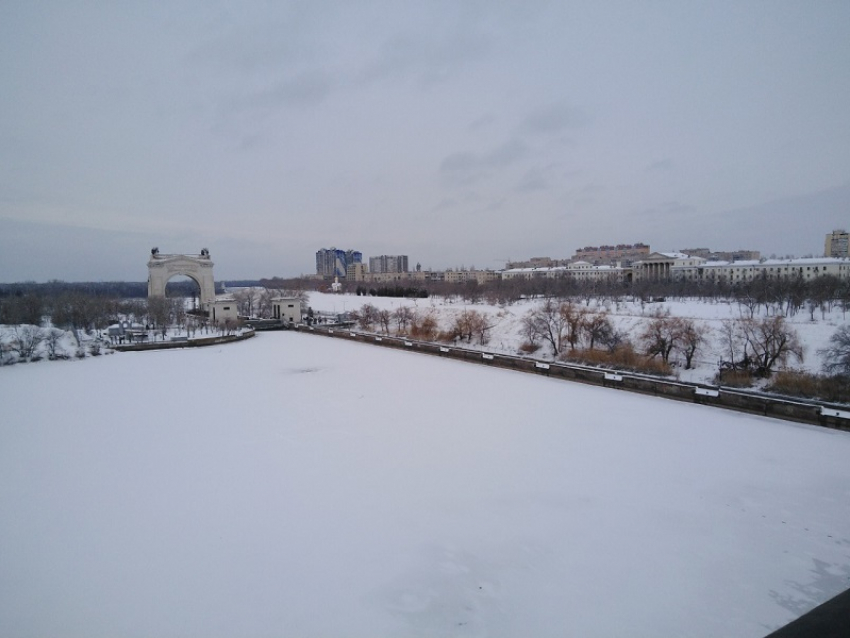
[161, 268]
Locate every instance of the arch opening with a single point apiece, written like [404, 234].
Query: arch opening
[179, 286]
[197, 268]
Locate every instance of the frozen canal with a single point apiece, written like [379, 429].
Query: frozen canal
[296, 485]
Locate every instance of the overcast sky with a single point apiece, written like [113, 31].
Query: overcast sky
[458, 133]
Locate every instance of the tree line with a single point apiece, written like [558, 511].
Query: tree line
[751, 347]
[786, 296]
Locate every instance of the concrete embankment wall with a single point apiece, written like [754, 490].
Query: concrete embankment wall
[803, 411]
[189, 343]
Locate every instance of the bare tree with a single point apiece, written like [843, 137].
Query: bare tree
[471, 292]
[692, 337]
[660, 335]
[74, 310]
[5, 353]
[27, 308]
[598, 328]
[469, 324]
[481, 327]
[837, 355]
[159, 311]
[384, 318]
[178, 311]
[547, 323]
[244, 298]
[574, 318]
[748, 298]
[772, 341]
[734, 345]
[264, 303]
[462, 326]
[529, 331]
[403, 315]
[53, 340]
[26, 341]
[424, 326]
[367, 316]
[227, 326]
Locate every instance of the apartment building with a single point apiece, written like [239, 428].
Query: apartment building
[836, 244]
[388, 263]
[723, 255]
[464, 276]
[740, 271]
[536, 262]
[333, 262]
[580, 270]
[357, 272]
[606, 254]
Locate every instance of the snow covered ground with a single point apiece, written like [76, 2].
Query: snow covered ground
[628, 317]
[306, 486]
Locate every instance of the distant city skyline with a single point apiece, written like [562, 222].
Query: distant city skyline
[473, 132]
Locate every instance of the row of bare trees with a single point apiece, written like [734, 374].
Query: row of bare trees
[757, 345]
[75, 309]
[24, 343]
[470, 326]
[763, 295]
[404, 318]
[663, 334]
[566, 324]
[789, 295]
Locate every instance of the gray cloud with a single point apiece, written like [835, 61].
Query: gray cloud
[555, 118]
[661, 165]
[467, 167]
[426, 58]
[667, 210]
[310, 123]
[482, 122]
[305, 89]
[538, 178]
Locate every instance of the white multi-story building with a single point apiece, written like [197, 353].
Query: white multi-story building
[580, 270]
[739, 271]
[662, 266]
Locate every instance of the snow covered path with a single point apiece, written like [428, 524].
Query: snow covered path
[298, 486]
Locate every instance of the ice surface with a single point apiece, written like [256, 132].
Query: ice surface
[308, 486]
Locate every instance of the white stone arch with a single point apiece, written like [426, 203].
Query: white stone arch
[161, 268]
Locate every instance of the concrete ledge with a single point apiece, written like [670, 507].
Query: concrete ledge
[188, 343]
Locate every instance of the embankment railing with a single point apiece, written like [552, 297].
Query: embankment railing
[799, 410]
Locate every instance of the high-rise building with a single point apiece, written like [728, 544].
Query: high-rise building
[722, 255]
[836, 244]
[333, 262]
[388, 263]
[626, 253]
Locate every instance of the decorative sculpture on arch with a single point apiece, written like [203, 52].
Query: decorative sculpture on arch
[161, 268]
